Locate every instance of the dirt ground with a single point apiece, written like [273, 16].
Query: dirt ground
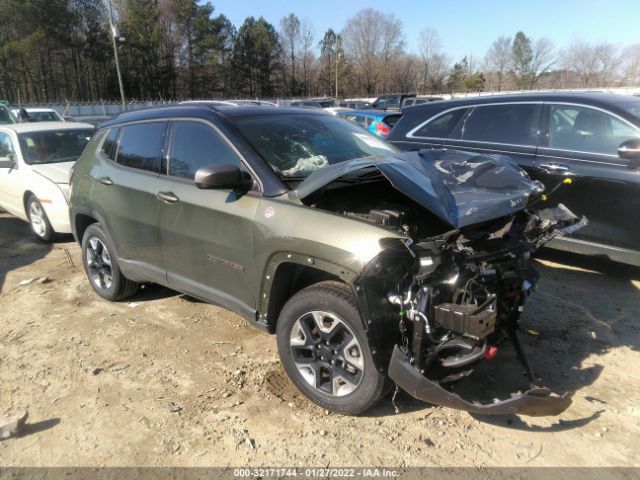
[164, 380]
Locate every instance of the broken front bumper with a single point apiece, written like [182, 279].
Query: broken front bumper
[537, 402]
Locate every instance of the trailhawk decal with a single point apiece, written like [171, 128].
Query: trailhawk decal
[228, 263]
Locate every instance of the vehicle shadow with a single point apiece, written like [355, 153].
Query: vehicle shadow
[152, 291]
[18, 246]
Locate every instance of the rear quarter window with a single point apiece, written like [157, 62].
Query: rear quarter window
[443, 126]
[391, 120]
[110, 146]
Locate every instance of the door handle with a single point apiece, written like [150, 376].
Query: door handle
[105, 180]
[555, 168]
[167, 197]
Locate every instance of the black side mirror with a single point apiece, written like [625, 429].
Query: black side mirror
[629, 150]
[8, 162]
[224, 176]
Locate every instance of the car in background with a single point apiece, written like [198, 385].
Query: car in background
[35, 166]
[95, 120]
[336, 110]
[591, 138]
[391, 102]
[6, 117]
[40, 114]
[377, 122]
[234, 103]
[314, 103]
[355, 105]
[419, 100]
[254, 103]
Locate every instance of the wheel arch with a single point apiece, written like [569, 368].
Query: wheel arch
[288, 273]
[25, 199]
[81, 218]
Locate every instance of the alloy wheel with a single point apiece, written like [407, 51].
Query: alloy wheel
[326, 353]
[99, 263]
[37, 219]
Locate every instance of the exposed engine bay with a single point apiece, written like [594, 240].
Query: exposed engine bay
[453, 295]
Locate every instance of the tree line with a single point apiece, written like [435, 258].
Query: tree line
[57, 50]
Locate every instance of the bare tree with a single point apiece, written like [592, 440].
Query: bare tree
[631, 65]
[592, 64]
[544, 57]
[392, 45]
[370, 39]
[431, 54]
[405, 70]
[290, 40]
[498, 59]
[307, 54]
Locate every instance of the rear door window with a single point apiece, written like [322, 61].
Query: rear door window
[141, 146]
[515, 124]
[195, 145]
[443, 126]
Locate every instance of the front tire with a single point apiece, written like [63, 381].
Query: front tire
[38, 220]
[324, 350]
[101, 266]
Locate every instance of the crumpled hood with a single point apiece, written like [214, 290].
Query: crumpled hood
[56, 172]
[460, 188]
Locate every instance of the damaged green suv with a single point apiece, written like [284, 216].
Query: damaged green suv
[371, 266]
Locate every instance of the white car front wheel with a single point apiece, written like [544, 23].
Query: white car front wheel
[38, 220]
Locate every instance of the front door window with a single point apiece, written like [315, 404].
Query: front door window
[584, 129]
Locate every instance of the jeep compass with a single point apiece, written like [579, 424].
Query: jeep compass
[372, 266]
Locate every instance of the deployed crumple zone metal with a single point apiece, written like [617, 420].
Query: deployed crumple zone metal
[537, 402]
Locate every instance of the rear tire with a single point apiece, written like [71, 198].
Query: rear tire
[101, 266]
[324, 349]
[38, 220]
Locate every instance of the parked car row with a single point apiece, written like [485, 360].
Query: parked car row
[377, 122]
[592, 138]
[368, 262]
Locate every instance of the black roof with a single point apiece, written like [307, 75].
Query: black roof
[601, 99]
[205, 110]
[376, 113]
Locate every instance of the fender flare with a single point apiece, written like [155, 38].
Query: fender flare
[280, 258]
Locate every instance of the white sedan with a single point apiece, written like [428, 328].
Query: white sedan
[40, 114]
[35, 166]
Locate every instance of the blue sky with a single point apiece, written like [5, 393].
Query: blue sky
[465, 26]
